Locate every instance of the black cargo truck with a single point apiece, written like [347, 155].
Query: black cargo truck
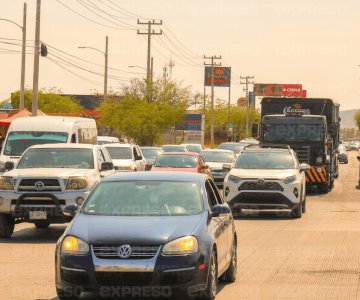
[311, 127]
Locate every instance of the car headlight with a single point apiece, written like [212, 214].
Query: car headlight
[184, 245]
[6, 183]
[73, 245]
[76, 183]
[319, 160]
[233, 178]
[289, 179]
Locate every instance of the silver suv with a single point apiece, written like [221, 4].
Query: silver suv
[47, 178]
[267, 178]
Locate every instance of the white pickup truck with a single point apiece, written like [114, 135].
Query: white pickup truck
[46, 178]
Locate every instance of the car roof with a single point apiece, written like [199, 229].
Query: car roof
[157, 176]
[65, 145]
[218, 150]
[173, 145]
[180, 153]
[118, 145]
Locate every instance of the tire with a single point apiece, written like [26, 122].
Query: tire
[297, 212]
[211, 288]
[42, 225]
[230, 273]
[303, 205]
[324, 188]
[7, 226]
[67, 295]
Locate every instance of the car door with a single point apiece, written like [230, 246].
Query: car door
[100, 157]
[139, 159]
[217, 228]
[228, 222]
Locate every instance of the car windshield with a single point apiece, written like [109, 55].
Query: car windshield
[293, 132]
[265, 160]
[18, 141]
[217, 156]
[151, 153]
[57, 158]
[194, 148]
[145, 198]
[119, 152]
[176, 161]
[235, 147]
[174, 148]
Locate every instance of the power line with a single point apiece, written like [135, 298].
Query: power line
[129, 12]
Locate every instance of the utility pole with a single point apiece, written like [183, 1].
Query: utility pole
[246, 89]
[171, 65]
[106, 66]
[36, 61]
[23, 55]
[212, 118]
[149, 33]
[165, 73]
[151, 78]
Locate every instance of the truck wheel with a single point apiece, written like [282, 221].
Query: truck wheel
[42, 225]
[7, 225]
[324, 188]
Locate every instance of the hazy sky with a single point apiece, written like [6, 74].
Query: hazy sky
[315, 43]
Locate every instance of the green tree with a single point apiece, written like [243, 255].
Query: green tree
[357, 119]
[48, 102]
[145, 118]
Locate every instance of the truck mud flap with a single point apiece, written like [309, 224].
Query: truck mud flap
[313, 177]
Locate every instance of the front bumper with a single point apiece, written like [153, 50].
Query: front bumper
[19, 205]
[276, 195]
[161, 274]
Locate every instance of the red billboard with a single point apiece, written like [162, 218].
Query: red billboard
[279, 90]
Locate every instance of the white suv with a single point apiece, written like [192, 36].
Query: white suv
[126, 157]
[267, 178]
[47, 178]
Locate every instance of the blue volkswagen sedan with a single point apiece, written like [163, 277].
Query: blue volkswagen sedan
[148, 234]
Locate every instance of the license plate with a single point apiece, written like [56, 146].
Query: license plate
[37, 215]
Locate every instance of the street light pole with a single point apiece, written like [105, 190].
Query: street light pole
[106, 62]
[23, 56]
[36, 61]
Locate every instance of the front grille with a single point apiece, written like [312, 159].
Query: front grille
[49, 185]
[267, 186]
[218, 179]
[137, 252]
[38, 201]
[124, 278]
[303, 154]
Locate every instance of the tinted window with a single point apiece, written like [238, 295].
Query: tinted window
[211, 196]
[265, 160]
[194, 148]
[57, 158]
[145, 198]
[119, 152]
[18, 142]
[151, 153]
[293, 132]
[236, 147]
[176, 161]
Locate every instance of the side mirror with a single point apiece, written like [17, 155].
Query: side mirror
[70, 210]
[226, 167]
[220, 209]
[304, 167]
[107, 166]
[9, 165]
[358, 157]
[138, 157]
[204, 167]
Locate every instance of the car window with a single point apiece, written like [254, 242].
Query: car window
[100, 157]
[216, 192]
[176, 161]
[211, 195]
[138, 152]
[106, 155]
[265, 160]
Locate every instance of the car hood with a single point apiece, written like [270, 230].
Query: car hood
[122, 162]
[193, 170]
[114, 230]
[264, 174]
[48, 172]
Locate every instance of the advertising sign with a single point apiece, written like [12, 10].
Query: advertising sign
[191, 129]
[279, 90]
[222, 76]
[242, 101]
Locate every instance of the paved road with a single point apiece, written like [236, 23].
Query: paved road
[316, 257]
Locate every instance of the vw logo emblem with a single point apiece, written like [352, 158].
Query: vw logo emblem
[39, 185]
[124, 251]
[260, 181]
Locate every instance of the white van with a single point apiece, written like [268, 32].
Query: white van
[25, 132]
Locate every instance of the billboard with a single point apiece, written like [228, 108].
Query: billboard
[191, 128]
[279, 90]
[222, 76]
